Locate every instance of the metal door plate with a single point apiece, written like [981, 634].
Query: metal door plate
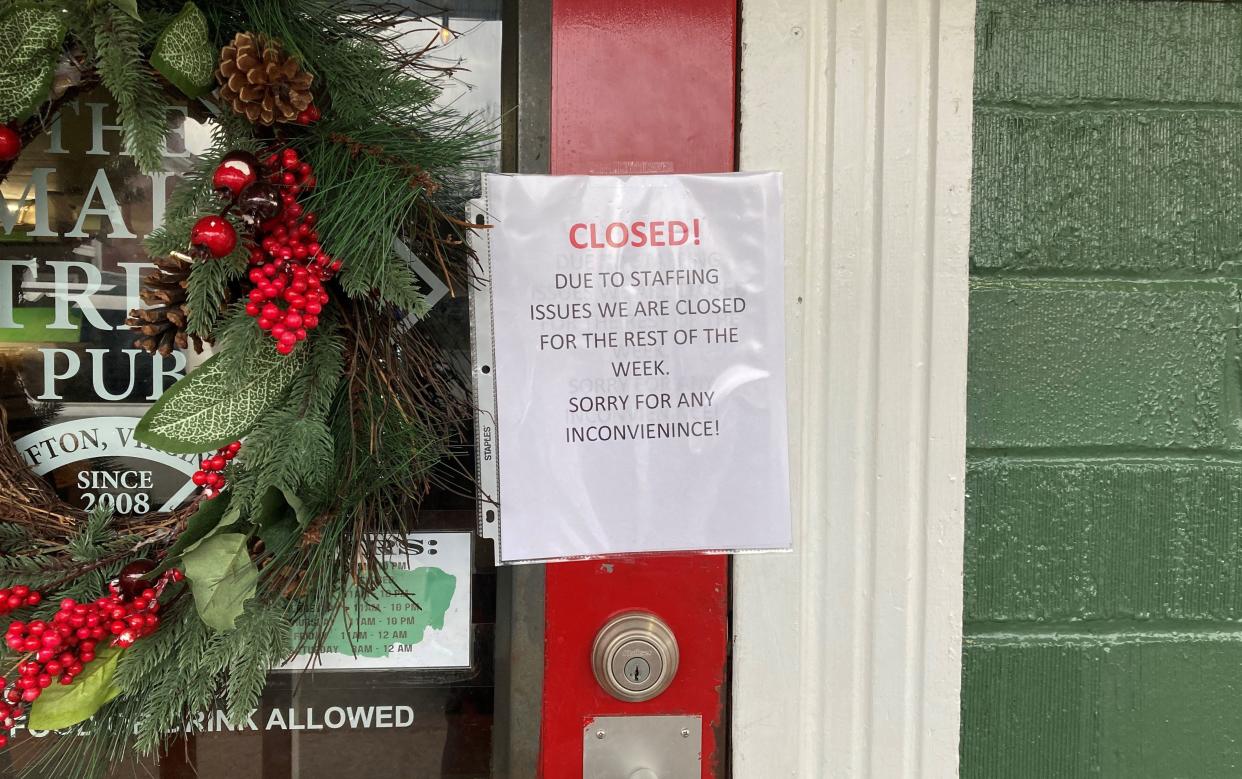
[622, 747]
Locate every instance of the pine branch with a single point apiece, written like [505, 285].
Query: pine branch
[12, 534]
[208, 290]
[391, 281]
[141, 106]
[261, 640]
[289, 452]
[26, 569]
[168, 696]
[321, 378]
[95, 539]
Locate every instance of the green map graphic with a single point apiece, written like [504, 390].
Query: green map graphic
[396, 619]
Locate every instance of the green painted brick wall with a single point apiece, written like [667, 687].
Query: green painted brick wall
[1118, 364]
[1062, 52]
[1103, 544]
[1103, 605]
[1121, 705]
[1076, 207]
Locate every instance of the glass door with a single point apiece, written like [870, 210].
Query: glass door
[412, 692]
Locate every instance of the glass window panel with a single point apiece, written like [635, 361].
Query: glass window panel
[75, 212]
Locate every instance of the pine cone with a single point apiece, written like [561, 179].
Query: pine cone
[161, 328]
[261, 82]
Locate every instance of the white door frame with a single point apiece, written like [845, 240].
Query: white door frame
[847, 653]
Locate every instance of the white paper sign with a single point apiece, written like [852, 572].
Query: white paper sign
[419, 619]
[638, 326]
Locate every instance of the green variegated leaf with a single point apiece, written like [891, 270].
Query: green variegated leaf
[184, 54]
[30, 37]
[61, 706]
[218, 403]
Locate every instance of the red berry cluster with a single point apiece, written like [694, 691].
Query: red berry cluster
[210, 475]
[59, 650]
[13, 598]
[288, 266]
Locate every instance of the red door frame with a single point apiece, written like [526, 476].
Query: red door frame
[639, 86]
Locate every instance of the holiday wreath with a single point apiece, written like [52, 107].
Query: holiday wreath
[323, 410]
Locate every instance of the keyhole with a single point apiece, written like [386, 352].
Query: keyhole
[637, 670]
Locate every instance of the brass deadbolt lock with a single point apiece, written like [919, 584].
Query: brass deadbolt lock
[634, 656]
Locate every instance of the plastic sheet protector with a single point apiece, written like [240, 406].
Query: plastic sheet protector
[630, 354]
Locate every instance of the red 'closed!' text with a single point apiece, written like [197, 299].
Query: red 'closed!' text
[638, 234]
